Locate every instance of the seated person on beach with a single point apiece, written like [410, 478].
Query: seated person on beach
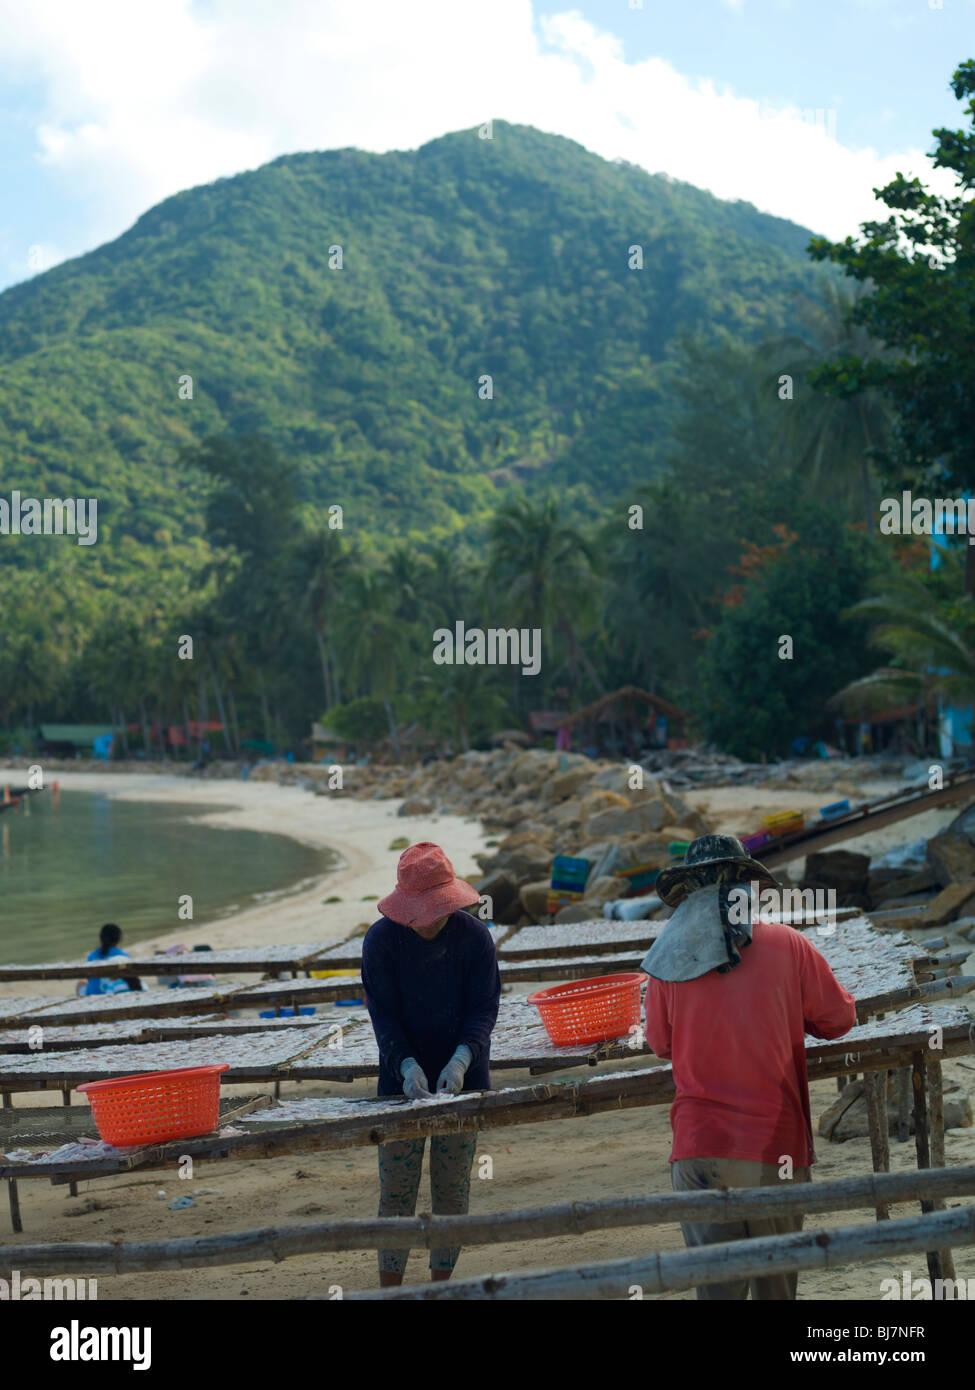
[730, 1000]
[110, 936]
[432, 987]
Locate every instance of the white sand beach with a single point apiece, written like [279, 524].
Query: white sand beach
[360, 832]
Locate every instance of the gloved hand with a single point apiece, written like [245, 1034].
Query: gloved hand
[415, 1084]
[451, 1079]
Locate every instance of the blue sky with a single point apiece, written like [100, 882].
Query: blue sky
[883, 65]
[799, 106]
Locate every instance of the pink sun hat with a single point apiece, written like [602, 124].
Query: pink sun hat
[426, 888]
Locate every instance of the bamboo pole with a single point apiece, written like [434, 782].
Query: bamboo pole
[903, 997]
[870, 816]
[923, 1147]
[936, 1114]
[488, 1228]
[875, 1095]
[487, 1110]
[12, 1195]
[904, 1102]
[709, 1264]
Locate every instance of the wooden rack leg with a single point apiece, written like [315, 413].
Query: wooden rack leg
[935, 1258]
[875, 1095]
[905, 1099]
[66, 1100]
[936, 1122]
[15, 1220]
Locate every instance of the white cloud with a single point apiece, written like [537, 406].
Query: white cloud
[142, 100]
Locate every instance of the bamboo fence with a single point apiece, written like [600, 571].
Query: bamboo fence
[709, 1264]
[489, 1228]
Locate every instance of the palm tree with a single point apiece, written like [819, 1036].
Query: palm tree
[831, 439]
[380, 651]
[931, 640]
[458, 699]
[317, 567]
[546, 570]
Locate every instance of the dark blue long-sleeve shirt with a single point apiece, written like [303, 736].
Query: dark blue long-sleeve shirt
[425, 998]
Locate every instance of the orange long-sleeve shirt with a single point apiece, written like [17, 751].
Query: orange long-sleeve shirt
[736, 1041]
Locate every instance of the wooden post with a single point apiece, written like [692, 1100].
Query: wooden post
[15, 1220]
[936, 1116]
[904, 1101]
[935, 1258]
[8, 1100]
[875, 1095]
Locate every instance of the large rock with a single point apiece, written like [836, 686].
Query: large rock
[567, 783]
[951, 856]
[624, 820]
[683, 833]
[884, 884]
[846, 1118]
[605, 889]
[415, 806]
[595, 801]
[576, 912]
[525, 865]
[616, 778]
[842, 870]
[534, 765]
[534, 834]
[534, 898]
[502, 888]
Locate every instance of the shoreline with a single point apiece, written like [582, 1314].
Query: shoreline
[357, 831]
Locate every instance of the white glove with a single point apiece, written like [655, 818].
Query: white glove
[415, 1084]
[451, 1079]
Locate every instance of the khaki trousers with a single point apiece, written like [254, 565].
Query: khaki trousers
[691, 1174]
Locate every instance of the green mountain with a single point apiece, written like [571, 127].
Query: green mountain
[467, 258]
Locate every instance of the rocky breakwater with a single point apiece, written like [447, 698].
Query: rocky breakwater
[546, 804]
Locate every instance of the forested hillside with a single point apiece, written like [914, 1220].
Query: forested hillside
[506, 257]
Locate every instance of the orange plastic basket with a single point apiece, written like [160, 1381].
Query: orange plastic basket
[591, 1010]
[156, 1105]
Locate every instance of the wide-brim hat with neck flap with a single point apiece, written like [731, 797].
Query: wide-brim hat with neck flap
[426, 888]
[710, 859]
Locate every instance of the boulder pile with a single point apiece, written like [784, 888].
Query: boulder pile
[538, 804]
[936, 876]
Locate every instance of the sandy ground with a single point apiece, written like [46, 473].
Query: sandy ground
[607, 1155]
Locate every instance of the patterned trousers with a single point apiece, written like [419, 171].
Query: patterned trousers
[400, 1163]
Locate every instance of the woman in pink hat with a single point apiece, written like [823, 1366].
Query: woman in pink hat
[431, 982]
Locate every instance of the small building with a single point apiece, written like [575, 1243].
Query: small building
[70, 740]
[626, 720]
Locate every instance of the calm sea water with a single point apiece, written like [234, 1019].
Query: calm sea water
[66, 869]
